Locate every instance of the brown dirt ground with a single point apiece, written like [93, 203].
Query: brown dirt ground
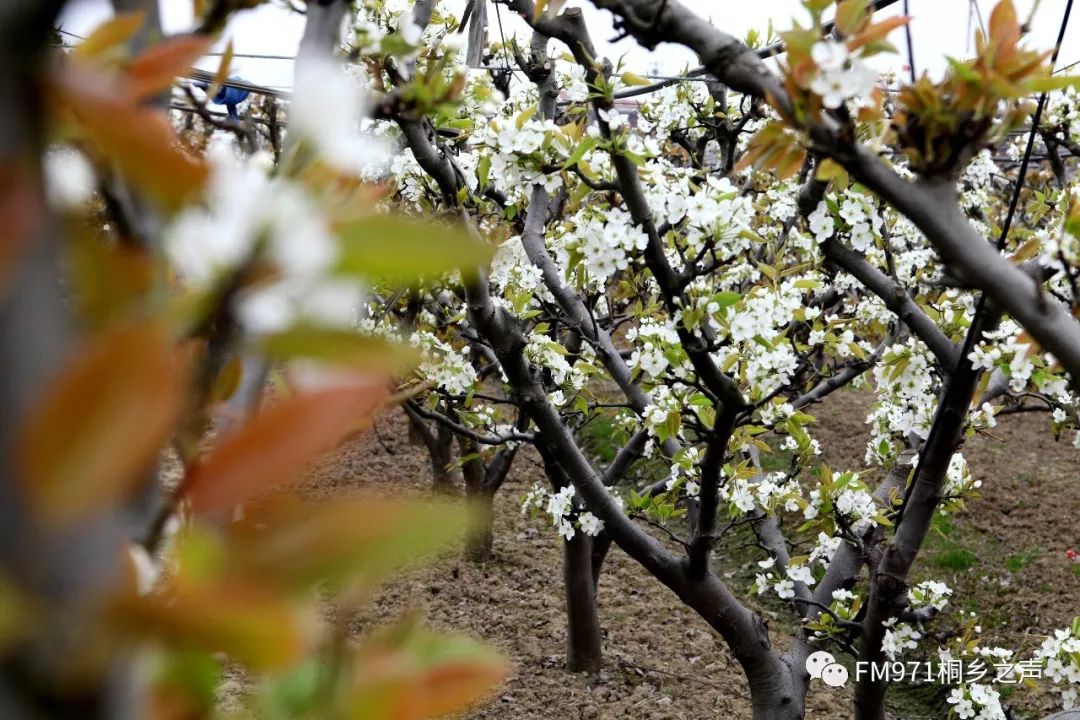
[661, 661]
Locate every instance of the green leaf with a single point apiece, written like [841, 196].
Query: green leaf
[630, 78]
[525, 116]
[726, 298]
[583, 147]
[849, 15]
[391, 247]
[483, 171]
[339, 347]
[1047, 83]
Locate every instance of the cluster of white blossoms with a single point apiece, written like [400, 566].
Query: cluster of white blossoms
[1026, 369]
[906, 397]
[768, 493]
[675, 108]
[715, 212]
[545, 353]
[759, 352]
[685, 472]
[1061, 655]
[846, 498]
[930, 593]
[959, 484]
[862, 218]
[449, 369]
[374, 18]
[840, 76]
[653, 342]
[976, 702]
[658, 413]
[605, 241]
[861, 221]
[899, 636]
[783, 586]
[565, 515]
[977, 182]
[512, 272]
[519, 151]
[247, 214]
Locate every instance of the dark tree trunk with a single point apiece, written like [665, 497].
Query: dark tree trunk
[442, 461]
[601, 544]
[481, 503]
[481, 533]
[583, 651]
[439, 443]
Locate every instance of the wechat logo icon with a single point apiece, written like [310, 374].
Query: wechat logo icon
[823, 666]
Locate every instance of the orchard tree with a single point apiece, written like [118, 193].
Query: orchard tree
[702, 271]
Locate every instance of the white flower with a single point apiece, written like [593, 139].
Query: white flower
[853, 211]
[410, 32]
[454, 41]
[899, 637]
[327, 302]
[69, 178]
[590, 524]
[202, 243]
[839, 84]
[822, 224]
[785, 589]
[801, 573]
[327, 110]
[829, 55]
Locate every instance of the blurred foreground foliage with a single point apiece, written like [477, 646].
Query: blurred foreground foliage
[230, 570]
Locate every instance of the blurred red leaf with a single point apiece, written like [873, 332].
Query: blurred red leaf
[295, 544]
[248, 624]
[137, 138]
[155, 69]
[1004, 28]
[421, 675]
[102, 421]
[276, 444]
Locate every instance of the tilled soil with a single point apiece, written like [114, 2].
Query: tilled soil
[661, 660]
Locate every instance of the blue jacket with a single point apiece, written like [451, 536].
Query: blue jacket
[228, 96]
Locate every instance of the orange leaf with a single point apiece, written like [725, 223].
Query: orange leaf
[276, 444]
[102, 422]
[421, 675]
[246, 623]
[109, 35]
[155, 69]
[877, 31]
[138, 139]
[1004, 28]
[296, 543]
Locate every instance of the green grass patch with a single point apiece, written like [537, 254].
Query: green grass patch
[1018, 561]
[955, 559]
